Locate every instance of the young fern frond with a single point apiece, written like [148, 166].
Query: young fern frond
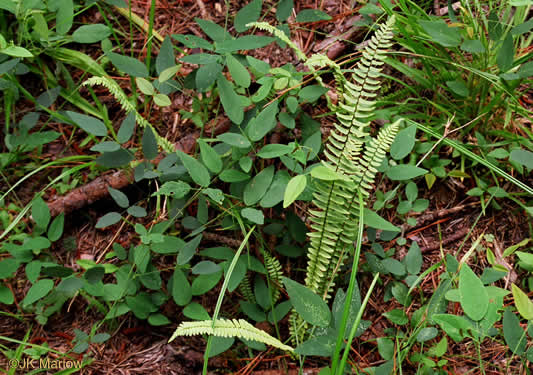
[126, 105]
[228, 328]
[245, 287]
[274, 273]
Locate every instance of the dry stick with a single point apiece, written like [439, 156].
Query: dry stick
[98, 188]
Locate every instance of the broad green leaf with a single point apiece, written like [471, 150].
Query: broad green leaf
[523, 157]
[258, 186]
[205, 267]
[55, 231]
[207, 75]
[174, 189]
[137, 211]
[201, 59]
[149, 144]
[128, 65]
[119, 197]
[263, 123]
[514, 335]
[397, 316]
[523, 304]
[404, 172]
[204, 283]
[168, 73]
[115, 159]
[233, 175]
[47, 98]
[413, 259]
[40, 213]
[230, 100]
[474, 296]
[312, 308]
[312, 15]
[395, 267]
[145, 86]
[441, 33]
[294, 188]
[6, 296]
[253, 311]
[90, 124]
[162, 100]
[126, 128]
[193, 41]
[255, 216]
[210, 157]
[238, 71]
[165, 63]
[196, 311]
[108, 219]
[403, 143]
[426, 334]
[181, 289]
[188, 250]
[311, 93]
[275, 192]
[373, 220]
[327, 174]
[64, 15]
[506, 54]
[247, 14]
[385, 348]
[91, 33]
[274, 150]
[7, 267]
[235, 140]
[37, 291]
[246, 42]
[458, 87]
[284, 9]
[523, 27]
[322, 346]
[107, 146]
[16, 51]
[196, 170]
[455, 326]
[473, 46]
[212, 30]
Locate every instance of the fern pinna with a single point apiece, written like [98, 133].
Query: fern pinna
[353, 155]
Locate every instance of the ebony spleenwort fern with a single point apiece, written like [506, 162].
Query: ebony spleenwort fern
[274, 273]
[228, 328]
[353, 154]
[127, 106]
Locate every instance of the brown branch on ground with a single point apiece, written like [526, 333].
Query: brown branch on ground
[435, 215]
[336, 43]
[98, 188]
[461, 233]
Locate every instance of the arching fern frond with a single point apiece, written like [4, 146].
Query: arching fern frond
[229, 328]
[280, 35]
[127, 106]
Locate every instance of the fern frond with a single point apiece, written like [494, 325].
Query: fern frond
[280, 35]
[228, 328]
[245, 288]
[274, 273]
[127, 106]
